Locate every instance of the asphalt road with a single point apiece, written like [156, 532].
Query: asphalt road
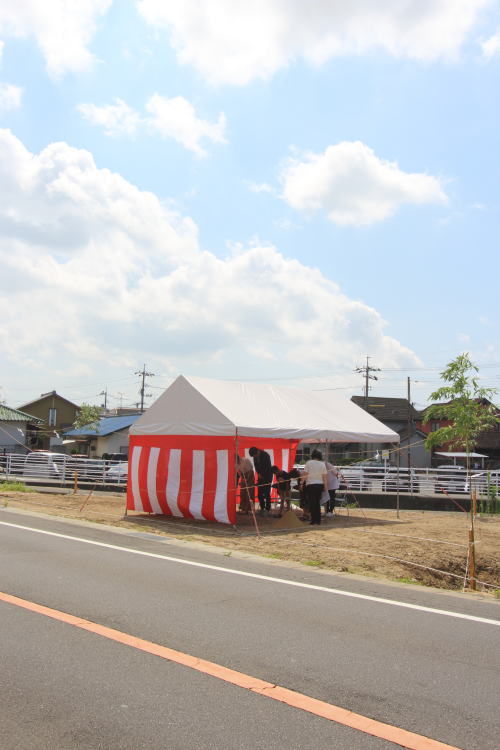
[425, 671]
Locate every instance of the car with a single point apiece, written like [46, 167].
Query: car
[484, 481]
[115, 457]
[117, 473]
[44, 464]
[452, 478]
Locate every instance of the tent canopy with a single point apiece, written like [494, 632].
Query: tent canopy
[199, 406]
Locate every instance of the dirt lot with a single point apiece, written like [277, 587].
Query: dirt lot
[428, 548]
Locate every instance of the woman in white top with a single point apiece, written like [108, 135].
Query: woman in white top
[333, 483]
[315, 478]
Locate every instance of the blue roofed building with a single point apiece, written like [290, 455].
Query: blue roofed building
[100, 439]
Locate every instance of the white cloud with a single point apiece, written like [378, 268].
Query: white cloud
[491, 46]
[62, 30]
[176, 118]
[234, 41]
[10, 97]
[353, 186]
[116, 118]
[171, 118]
[97, 274]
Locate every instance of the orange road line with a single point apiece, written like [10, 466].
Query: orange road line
[261, 687]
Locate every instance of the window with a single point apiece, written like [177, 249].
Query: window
[52, 417]
[434, 426]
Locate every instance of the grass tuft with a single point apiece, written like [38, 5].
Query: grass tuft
[14, 487]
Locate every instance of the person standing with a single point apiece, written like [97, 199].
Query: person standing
[246, 478]
[315, 478]
[264, 469]
[333, 483]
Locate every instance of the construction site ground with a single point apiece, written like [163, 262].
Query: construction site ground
[420, 547]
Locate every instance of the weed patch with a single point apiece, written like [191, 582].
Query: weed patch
[14, 487]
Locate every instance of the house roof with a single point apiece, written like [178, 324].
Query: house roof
[105, 426]
[46, 395]
[386, 409]
[15, 415]
[199, 406]
[483, 401]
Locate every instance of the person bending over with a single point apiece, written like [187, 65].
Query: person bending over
[264, 469]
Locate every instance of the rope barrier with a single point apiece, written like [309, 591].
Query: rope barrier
[406, 536]
[389, 557]
[349, 550]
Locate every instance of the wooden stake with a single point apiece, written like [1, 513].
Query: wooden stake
[472, 560]
[75, 482]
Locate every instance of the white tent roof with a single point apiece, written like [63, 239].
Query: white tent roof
[198, 406]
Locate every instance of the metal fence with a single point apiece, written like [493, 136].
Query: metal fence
[425, 481]
[60, 470]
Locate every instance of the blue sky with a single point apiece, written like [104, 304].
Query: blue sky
[270, 191]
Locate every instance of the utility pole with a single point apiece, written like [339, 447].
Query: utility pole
[408, 449]
[366, 370]
[144, 375]
[105, 394]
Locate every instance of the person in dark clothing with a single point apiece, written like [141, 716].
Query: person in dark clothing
[264, 469]
[283, 486]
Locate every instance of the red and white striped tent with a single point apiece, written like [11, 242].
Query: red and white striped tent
[183, 448]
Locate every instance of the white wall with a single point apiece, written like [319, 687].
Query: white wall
[13, 434]
[111, 443]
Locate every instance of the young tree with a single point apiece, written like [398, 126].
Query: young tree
[88, 416]
[467, 407]
[469, 412]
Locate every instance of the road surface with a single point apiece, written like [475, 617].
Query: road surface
[431, 668]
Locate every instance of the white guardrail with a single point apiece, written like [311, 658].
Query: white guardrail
[426, 481]
[60, 469]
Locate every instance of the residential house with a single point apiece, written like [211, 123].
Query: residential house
[401, 416]
[109, 435]
[487, 443]
[15, 428]
[57, 413]
[396, 413]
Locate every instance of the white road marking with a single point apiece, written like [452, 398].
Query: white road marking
[258, 576]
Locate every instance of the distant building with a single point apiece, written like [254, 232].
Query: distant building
[488, 441]
[56, 412]
[109, 435]
[16, 430]
[402, 417]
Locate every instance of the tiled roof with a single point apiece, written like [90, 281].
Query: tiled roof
[14, 415]
[104, 427]
[386, 409]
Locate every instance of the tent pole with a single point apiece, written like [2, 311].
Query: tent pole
[236, 448]
[252, 503]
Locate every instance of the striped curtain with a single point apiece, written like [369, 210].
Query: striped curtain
[192, 476]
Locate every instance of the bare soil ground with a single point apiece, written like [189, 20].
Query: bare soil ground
[427, 548]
